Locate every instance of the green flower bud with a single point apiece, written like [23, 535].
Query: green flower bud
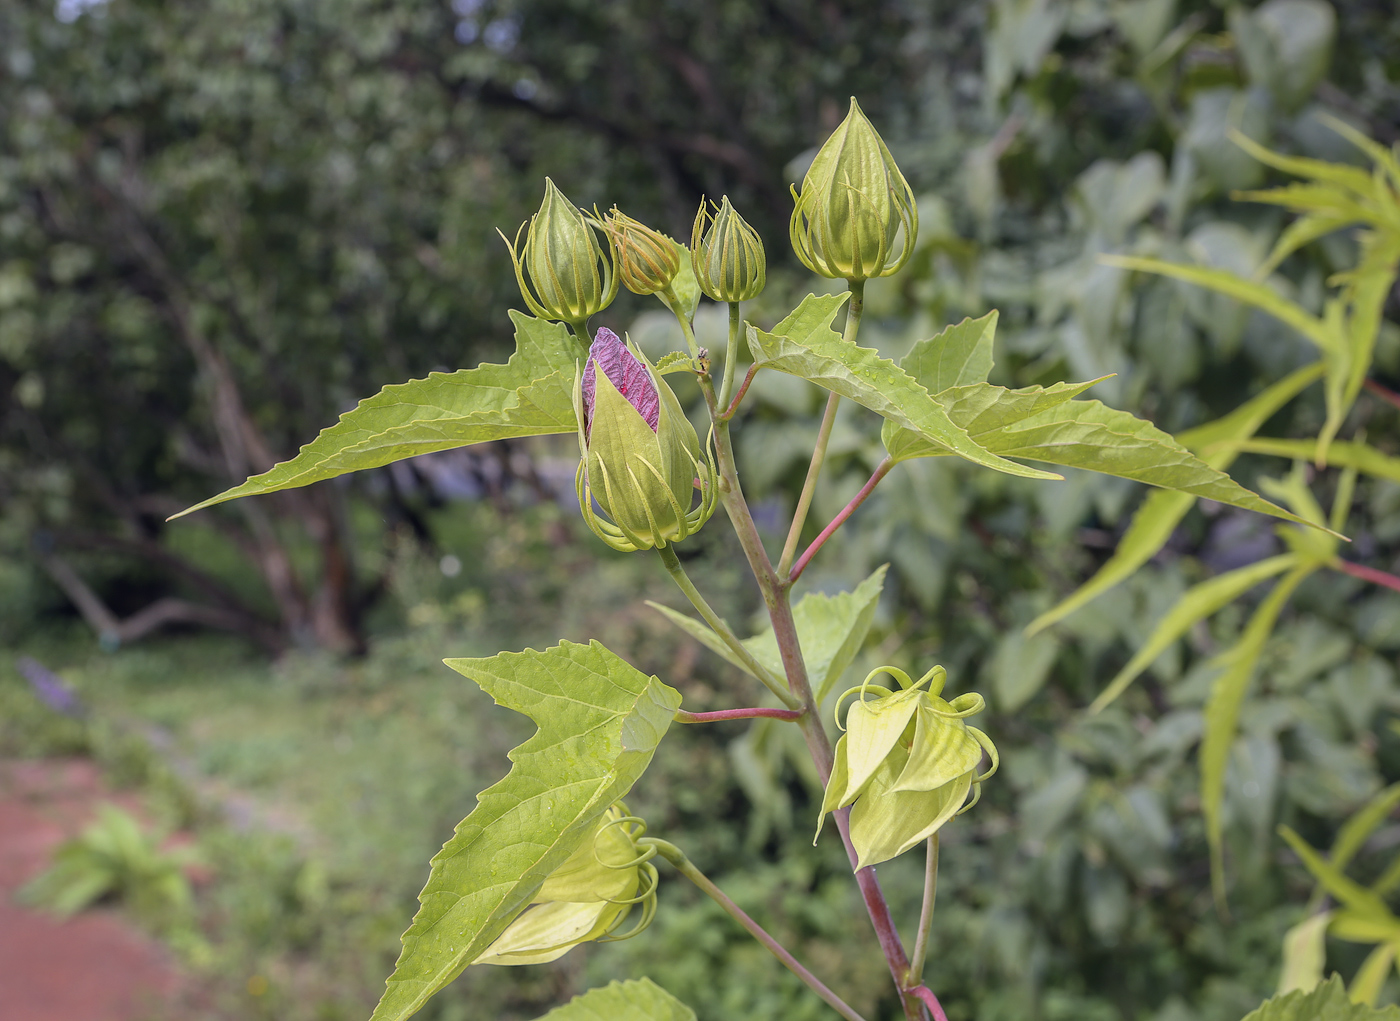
[647, 260]
[571, 276]
[586, 898]
[906, 763]
[852, 203]
[726, 254]
[640, 455]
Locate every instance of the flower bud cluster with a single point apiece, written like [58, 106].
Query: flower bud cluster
[906, 763]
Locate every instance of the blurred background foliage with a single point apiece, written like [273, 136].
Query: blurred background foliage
[221, 224]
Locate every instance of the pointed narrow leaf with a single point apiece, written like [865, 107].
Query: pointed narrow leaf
[1366, 983]
[1342, 454]
[805, 345]
[1361, 825]
[637, 1000]
[1304, 953]
[1197, 603]
[1352, 178]
[599, 721]
[1347, 890]
[1327, 1002]
[960, 355]
[1239, 288]
[1222, 712]
[530, 395]
[1161, 512]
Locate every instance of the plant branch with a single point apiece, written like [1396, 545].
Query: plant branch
[814, 470]
[1370, 574]
[916, 962]
[743, 389]
[720, 715]
[718, 625]
[930, 1001]
[1384, 393]
[881, 471]
[685, 867]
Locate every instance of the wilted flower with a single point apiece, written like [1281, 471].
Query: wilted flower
[853, 201]
[586, 898]
[905, 764]
[647, 260]
[641, 460]
[726, 254]
[573, 276]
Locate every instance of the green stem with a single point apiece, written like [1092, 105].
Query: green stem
[814, 470]
[916, 961]
[731, 355]
[718, 625]
[669, 299]
[685, 867]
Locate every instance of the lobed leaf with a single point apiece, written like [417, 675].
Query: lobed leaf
[1162, 511]
[959, 355]
[1327, 1002]
[805, 345]
[636, 1000]
[599, 720]
[530, 395]
[1198, 602]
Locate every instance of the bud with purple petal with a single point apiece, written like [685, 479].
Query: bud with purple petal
[641, 460]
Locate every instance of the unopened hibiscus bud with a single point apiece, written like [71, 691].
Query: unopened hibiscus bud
[570, 275]
[586, 898]
[726, 254]
[647, 260]
[641, 460]
[853, 204]
[906, 763]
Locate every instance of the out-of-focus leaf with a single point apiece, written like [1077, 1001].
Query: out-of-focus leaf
[1304, 953]
[530, 395]
[1366, 983]
[1199, 602]
[830, 629]
[636, 1000]
[805, 345]
[1161, 512]
[1365, 903]
[599, 720]
[1020, 667]
[1342, 454]
[1222, 712]
[1327, 1002]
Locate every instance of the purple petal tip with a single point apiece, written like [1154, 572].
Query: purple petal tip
[625, 372]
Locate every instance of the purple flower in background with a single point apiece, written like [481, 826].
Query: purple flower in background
[610, 356]
[49, 687]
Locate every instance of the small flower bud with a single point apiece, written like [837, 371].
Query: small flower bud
[640, 455]
[647, 260]
[853, 201]
[726, 254]
[571, 276]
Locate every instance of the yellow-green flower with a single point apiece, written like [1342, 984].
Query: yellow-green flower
[906, 763]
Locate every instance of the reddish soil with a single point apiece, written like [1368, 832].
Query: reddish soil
[95, 966]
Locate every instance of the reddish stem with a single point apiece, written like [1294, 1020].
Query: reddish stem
[738, 714]
[1384, 393]
[739, 394]
[1370, 574]
[931, 1002]
[880, 472]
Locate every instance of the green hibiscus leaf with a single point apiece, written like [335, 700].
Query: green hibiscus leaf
[1328, 1002]
[638, 1000]
[599, 721]
[530, 395]
[805, 345]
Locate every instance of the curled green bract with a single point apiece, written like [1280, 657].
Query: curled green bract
[906, 764]
[853, 205]
[640, 460]
[726, 254]
[570, 275]
[587, 898]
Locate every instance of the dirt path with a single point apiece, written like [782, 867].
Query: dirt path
[93, 967]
